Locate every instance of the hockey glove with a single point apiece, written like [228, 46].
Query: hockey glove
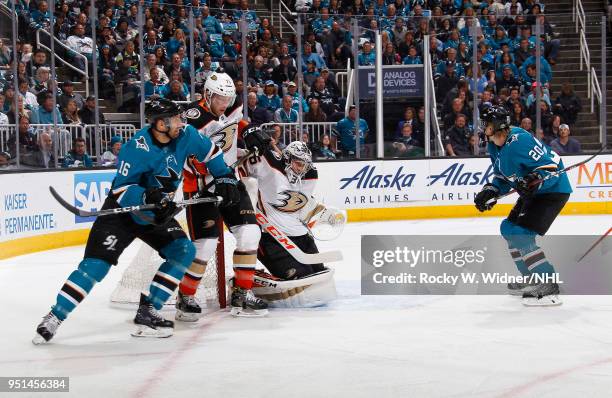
[488, 192]
[226, 186]
[254, 138]
[166, 208]
[528, 185]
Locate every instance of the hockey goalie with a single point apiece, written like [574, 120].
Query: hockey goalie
[284, 185]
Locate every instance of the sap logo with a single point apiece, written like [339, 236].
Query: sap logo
[366, 178]
[454, 175]
[90, 191]
[599, 173]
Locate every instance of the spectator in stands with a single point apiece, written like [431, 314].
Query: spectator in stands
[3, 117]
[569, 102]
[315, 113]
[507, 79]
[107, 66]
[80, 44]
[311, 74]
[70, 112]
[29, 99]
[409, 117]
[457, 138]
[532, 97]
[389, 56]
[257, 114]
[345, 132]
[41, 16]
[480, 81]
[109, 158]
[39, 58]
[77, 156]
[322, 93]
[151, 62]
[286, 114]
[251, 16]
[406, 145]
[517, 113]
[176, 65]
[154, 86]
[124, 33]
[451, 56]
[9, 97]
[367, 57]
[41, 81]
[87, 113]
[44, 113]
[447, 81]
[176, 41]
[174, 91]
[284, 72]
[258, 71]
[552, 131]
[296, 98]
[545, 70]
[323, 150]
[42, 156]
[5, 56]
[69, 94]
[330, 82]
[22, 110]
[151, 43]
[412, 58]
[277, 139]
[309, 56]
[27, 140]
[526, 125]
[458, 107]
[270, 100]
[551, 44]
[564, 144]
[407, 42]
[545, 114]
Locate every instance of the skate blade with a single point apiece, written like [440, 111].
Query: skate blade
[186, 316]
[546, 301]
[38, 340]
[145, 331]
[248, 313]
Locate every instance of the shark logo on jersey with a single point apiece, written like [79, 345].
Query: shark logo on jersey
[167, 183]
[141, 143]
[290, 201]
[225, 138]
[171, 160]
[513, 138]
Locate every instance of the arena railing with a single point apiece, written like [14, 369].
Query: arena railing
[282, 17]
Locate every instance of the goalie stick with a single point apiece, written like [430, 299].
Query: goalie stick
[128, 209]
[553, 174]
[292, 248]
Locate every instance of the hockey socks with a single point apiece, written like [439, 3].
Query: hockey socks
[244, 268]
[179, 254]
[192, 278]
[79, 284]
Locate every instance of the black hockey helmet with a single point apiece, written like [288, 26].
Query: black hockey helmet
[161, 108]
[498, 115]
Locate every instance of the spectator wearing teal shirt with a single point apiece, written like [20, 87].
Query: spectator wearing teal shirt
[545, 70]
[309, 56]
[367, 56]
[44, 113]
[412, 58]
[296, 98]
[77, 157]
[211, 24]
[323, 24]
[345, 131]
[286, 114]
[269, 99]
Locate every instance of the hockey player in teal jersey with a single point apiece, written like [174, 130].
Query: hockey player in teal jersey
[522, 162]
[150, 170]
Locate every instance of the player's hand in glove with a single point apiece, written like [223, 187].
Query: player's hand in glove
[166, 208]
[226, 186]
[488, 192]
[526, 186]
[254, 138]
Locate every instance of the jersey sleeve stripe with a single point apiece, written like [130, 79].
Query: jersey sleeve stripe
[547, 166]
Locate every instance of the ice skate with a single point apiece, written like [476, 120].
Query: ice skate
[149, 323]
[46, 329]
[519, 288]
[187, 308]
[542, 295]
[244, 303]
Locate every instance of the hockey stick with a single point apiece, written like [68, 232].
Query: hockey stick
[128, 209]
[602, 237]
[292, 248]
[553, 174]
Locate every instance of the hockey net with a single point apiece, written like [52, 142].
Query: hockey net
[212, 292]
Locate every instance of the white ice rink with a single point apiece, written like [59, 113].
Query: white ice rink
[399, 346]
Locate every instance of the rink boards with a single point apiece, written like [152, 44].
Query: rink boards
[31, 220]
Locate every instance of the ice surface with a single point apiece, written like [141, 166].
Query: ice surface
[400, 346]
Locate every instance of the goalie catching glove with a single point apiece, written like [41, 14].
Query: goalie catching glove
[488, 192]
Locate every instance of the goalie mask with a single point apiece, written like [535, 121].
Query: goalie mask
[298, 160]
[219, 92]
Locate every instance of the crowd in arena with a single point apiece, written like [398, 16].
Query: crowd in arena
[505, 73]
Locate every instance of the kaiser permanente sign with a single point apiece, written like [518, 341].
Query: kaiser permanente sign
[398, 81]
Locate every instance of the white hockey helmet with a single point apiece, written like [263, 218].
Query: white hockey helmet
[297, 150]
[219, 84]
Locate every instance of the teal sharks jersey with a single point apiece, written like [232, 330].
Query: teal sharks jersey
[523, 154]
[146, 163]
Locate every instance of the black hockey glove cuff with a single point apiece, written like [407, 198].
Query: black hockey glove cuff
[255, 138]
[485, 199]
[528, 185]
[226, 186]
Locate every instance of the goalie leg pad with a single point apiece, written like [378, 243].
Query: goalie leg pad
[79, 284]
[312, 291]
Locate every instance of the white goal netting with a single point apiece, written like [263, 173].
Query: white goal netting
[212, 292]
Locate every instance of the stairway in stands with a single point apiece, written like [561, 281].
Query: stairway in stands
[568, 66]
